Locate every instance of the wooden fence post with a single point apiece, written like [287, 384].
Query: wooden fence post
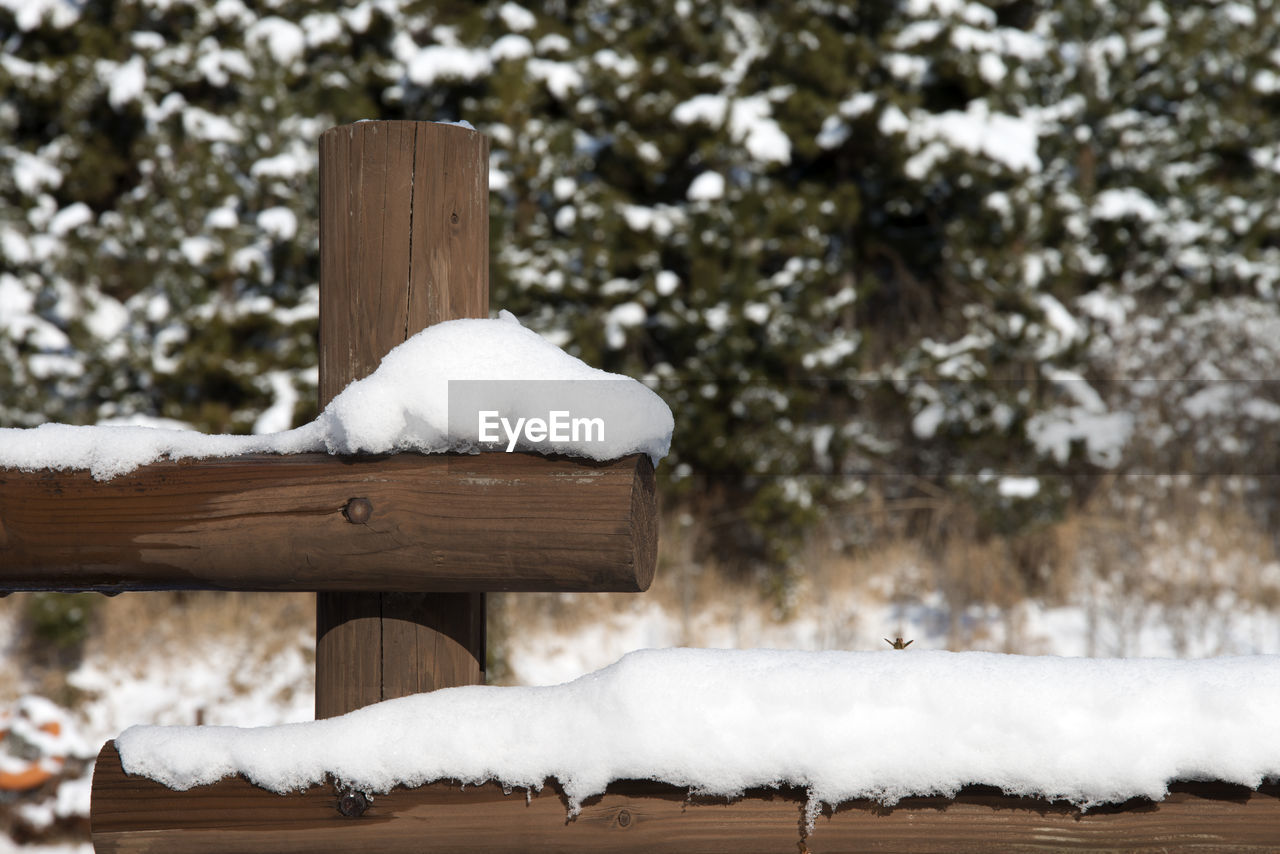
[404, 243]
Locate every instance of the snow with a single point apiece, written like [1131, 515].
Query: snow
[32, 173]
[127, 83]
[289, 164]
[835, 130]
[285, 40]
[562, 79]
[621, 318]
[1125, 202]
[516, 17]
[224, 217]
[197, 249]
[205, 125]
[843, 725]
[511, 46]
[1104, 434]
[553, 43]
[1018, 487]
[72, 217]
[666, 282]
[278, 417]
[1011, 141]
[443, 62]
[707, 187]
[403, 406]
[750, 123]
[926, 422]
[279, 223]
[1065, 328]
[108, 318]
[29, 14]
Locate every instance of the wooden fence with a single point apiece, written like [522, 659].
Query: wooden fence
[404, 244]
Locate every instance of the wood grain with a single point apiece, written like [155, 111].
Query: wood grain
[438, 523]
[404, 244]
[132, 814]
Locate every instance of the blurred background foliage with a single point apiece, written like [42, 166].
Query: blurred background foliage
[933, 252]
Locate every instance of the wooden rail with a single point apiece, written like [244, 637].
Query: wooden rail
[133, 814]
[402, 523]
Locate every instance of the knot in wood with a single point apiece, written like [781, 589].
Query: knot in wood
[358, 511]
[352, 804]
[624, 818]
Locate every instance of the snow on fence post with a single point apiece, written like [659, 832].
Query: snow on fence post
[404, 244]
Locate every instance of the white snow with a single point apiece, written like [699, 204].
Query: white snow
[1103, 434]
[445, 62]
[108, 318]
[750, 123]
[666, 282]
[561, 78]
[278, 222]
[1011, 141]
[203, 124]
[223, 217]
[32, 173]
[516, 17]
[707, 187]
[843, 725]
[1018, 487]
[925, 423]
[29, 14]
[511, 46]
[197, 249]
[278, 417]
[835, 130]
[289, 164]
[74, 216]
[402, 406]
[285, 40]
[127, 83]
[1125, 202]
[621, 318]
[553, 43]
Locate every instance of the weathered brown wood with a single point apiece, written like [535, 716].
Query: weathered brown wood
[404, 239]
[389, 624]
[404, 243]
[437, 523]
[132, 814]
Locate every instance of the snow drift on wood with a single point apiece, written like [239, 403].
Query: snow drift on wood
[844, 725]
[402, 406]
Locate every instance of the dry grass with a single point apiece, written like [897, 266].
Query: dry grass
[1184, 557]
[133, 626]
[181, 621]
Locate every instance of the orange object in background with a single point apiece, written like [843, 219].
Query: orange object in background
[37, 771]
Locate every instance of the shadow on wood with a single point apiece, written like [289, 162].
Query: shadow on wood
[132, 814]
[402, 523]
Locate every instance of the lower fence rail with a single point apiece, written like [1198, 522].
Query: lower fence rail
[135, 814]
